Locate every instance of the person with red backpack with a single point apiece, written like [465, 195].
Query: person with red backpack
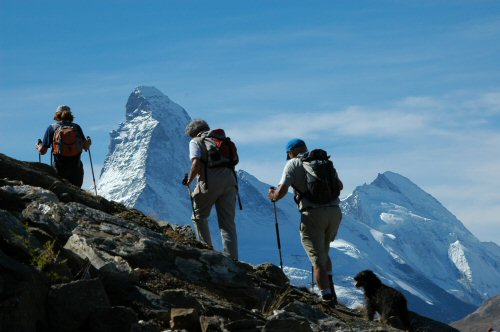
[213, 158]
[67, 141]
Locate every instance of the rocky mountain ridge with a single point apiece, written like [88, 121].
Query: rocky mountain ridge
[486, 316]
[71, 261]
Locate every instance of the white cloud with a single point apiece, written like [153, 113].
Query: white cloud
[379, 123]
[451, 117]
[353, 121]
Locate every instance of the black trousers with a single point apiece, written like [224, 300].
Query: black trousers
[70, 169]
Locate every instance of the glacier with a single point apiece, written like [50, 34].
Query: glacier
[390, 226]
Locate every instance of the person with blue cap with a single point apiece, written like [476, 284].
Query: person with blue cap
[320, 216]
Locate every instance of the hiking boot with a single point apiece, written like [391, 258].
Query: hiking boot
[328, 300]
[334, 296]
[332, 289]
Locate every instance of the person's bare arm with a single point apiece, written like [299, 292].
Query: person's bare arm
[194, 171]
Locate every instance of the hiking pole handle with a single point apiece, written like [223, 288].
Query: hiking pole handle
[88, 139]
[39, 155]
[273, 188]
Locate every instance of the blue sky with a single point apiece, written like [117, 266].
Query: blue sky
[407, 86]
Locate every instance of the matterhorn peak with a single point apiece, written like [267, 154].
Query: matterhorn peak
[147, 156]
[148, 92]
[150, 102]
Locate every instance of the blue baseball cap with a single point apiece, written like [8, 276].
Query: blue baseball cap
[293, 144]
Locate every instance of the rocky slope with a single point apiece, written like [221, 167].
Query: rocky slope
[71, 261]
[486, 316]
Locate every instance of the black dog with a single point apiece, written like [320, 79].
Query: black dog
[388, 302]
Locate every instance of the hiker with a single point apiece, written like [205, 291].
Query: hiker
[213, 157]
[320, 211]
[67, 141]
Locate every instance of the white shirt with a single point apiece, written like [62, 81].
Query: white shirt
[194, 150]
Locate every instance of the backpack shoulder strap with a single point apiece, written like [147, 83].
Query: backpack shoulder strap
[200, 140]
[56, 127]
[305, 160]
[308, 168]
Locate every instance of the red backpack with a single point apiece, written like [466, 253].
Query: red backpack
[67, 141]
[221, 151]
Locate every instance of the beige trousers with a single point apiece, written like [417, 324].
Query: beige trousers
[221, 192]
[319, 227]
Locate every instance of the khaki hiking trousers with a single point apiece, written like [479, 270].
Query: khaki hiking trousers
[319, 227]
[221, 192]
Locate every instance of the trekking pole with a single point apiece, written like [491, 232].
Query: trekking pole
[239, 200]
[192, 205]
[312, 277]
[189, 191]
[237, 190]
[39, 155]
[92, 168]
[277, 231]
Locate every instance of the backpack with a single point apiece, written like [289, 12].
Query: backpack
[67, 141]
[323, 183]
[221, 151]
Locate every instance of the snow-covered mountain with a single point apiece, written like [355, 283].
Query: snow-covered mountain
[390, 226]
[416, 230]
[415, 244]
[147, 157]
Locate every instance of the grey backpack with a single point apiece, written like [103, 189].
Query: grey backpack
[323, 183]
